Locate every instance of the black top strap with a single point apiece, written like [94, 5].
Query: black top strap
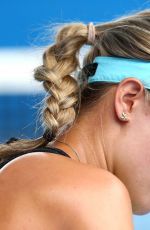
[39, 149]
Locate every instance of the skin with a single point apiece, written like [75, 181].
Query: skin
[120, 147]
[49, 191]
[109, 150]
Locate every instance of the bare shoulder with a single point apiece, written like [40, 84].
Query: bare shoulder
[104, 206]
[56, 191]
[33, 167]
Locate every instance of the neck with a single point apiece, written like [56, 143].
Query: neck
[88, 142]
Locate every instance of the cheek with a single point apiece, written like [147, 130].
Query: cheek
[134, 172]
[138, 145]
[133, 168]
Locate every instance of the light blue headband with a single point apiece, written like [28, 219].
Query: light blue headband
[115, 69]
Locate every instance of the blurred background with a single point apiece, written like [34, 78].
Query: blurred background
[24, 31]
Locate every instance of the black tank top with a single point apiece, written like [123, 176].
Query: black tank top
[39, 149]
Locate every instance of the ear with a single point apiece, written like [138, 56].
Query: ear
[129, 95]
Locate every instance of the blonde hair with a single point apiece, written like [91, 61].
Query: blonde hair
[127, 36]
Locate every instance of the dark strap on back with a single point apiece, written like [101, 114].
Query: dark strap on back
[51, 150]
[39, 149]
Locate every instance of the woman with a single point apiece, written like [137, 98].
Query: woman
[97, 123]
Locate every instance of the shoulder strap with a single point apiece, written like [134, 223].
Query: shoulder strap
[51, 150]
[39, 149]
